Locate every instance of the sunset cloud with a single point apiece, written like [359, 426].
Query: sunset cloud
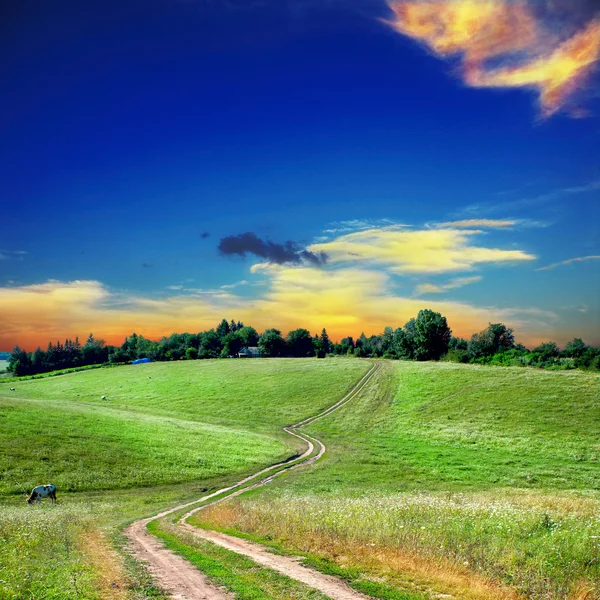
[505, 44]
[347, 301]
[405, 251]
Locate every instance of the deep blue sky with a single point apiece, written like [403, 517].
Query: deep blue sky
[129, 130]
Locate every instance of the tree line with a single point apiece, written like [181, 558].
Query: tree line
[425, 337]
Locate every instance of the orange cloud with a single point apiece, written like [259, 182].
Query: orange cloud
[488, 32]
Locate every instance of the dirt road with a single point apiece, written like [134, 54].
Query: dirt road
[184, 582]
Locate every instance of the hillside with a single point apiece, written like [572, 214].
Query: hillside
[164, 433]
[442, 473]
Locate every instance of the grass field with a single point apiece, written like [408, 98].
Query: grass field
[164, 434]
[478, 482]
[475, 481]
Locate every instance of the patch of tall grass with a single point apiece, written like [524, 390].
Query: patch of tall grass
[542, 546]
[39, 553]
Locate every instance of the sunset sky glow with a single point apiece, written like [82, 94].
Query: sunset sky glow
[337, 164]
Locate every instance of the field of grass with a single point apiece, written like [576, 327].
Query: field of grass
[165, 434]
[477, 481]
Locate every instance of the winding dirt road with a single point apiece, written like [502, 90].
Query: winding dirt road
[185, 582]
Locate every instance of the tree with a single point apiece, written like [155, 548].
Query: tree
[210, 345]
[495, 338]
[94, 351]
[324, 345]
[347, 345]
[191, 353]
[458, 343]
[271, 343]
[248, 335]
[19, 362]
[300, 343]
[232, 344]
[575, 348]
[547, 350]
[223, 329]
[430, 335]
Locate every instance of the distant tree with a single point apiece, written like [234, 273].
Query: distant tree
[458, 343]
[248, 335]
[271, 343]
[324, 345]
[575, 348]
[495, 338]
[300, 343]
[362, 347]
[347, 346]
[38, 361]
[232, 344]
[19, 362]
[210, 345]
[387, 343]
[191, 353]
[223, 329]
[547, 350]
[93, 351]
[429, 335]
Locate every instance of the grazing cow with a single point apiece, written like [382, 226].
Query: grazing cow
[42, 491]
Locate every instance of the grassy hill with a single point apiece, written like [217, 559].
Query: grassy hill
[164, 433]
[476, 481]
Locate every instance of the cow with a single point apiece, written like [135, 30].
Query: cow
[42, 491]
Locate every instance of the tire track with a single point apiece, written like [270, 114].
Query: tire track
[184, 582]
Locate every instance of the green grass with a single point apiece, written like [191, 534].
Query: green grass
[167, 433]
[260, 395]
[474, 472]
[82, 448]
[38, 554]
[489, 469]
[444, 426]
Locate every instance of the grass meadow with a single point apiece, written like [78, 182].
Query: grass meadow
[453, 479]
[165, 433]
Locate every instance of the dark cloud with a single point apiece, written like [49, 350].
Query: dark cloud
[250, 243]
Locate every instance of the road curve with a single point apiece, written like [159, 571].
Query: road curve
[185, 582]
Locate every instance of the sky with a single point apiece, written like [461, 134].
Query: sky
[299, 163]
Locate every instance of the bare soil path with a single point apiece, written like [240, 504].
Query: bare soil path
[183, 581]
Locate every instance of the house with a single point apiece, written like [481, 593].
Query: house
[250, 352]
